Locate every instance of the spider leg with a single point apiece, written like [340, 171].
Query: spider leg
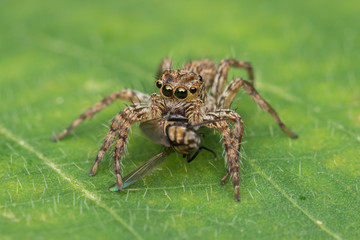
[231, 90]
[206, 68]
[231, 141]
[165, 65]
[121, 124]
[222, 72]
[119, 149]
[131, 95]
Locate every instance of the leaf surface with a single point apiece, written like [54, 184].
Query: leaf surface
[59, 58]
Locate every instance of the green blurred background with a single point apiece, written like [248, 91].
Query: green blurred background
[58, 58]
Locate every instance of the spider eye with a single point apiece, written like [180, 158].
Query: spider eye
[193, 90]
[200, 78]
[158, 84]
[181, 93]
[167, 91]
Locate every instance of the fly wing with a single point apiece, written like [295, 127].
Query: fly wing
[154, 129]
[143, 170]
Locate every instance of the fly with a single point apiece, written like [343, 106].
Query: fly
[176, 134]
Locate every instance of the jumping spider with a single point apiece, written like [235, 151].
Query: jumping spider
[184, 93]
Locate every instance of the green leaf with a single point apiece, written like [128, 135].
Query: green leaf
[59, 58]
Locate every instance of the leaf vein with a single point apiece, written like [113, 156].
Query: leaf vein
[6, 133]
[317, 222]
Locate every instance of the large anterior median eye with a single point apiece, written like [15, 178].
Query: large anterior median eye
[167, 91]
[181, 93]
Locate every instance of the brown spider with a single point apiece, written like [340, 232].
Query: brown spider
[184, 93]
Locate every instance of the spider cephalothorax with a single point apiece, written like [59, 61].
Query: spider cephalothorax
[180, 85]
[197, 93]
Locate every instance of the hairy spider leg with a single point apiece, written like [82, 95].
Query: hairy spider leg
[120, 125]
[130, 95]
[222, 72]
[165, 65]
[231, 141]
[231, 90]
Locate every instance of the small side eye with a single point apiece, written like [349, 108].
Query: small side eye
[200, 78]
[158, 84]
[192, 90]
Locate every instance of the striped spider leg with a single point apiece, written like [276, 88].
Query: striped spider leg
[228, 95]
[231, 139]
[130, 95]
[120, 127]
[144, 108]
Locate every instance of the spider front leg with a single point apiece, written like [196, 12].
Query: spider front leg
[120, 126]
[231, 141]
[231, 90]
[222, 72]
[130, 95]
